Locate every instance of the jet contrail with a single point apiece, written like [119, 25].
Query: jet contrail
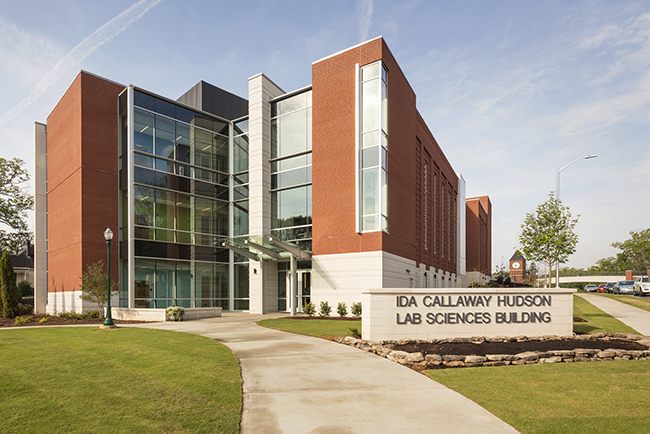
[85, 48]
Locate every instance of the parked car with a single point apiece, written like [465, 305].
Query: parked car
[601, 287]
[591, 288]
[609, 288]
[624, 287]
[641, 286]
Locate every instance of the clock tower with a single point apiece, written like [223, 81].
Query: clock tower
[517, 267]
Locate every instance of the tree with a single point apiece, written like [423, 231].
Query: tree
[14, 204]
[93, 285]
[531, 274]
[9, 296]
[548, 234]
[635, 251]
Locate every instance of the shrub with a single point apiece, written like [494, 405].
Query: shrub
[70, 315]
[25, 289]
[342, 309]
[309, 309]
[20, 320]
[356, 309]
[93, 285]
[354, 332]
[175, 313]
[325, 309]
[44, 319]
[25, 309]
[9, 297]
[475, 285]
[92, 314]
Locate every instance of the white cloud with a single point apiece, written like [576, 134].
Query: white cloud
[364, 12]
[25, 57]
[85, 48]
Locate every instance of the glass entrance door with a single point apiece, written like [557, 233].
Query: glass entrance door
[304, 289]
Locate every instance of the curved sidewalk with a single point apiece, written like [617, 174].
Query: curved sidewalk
[634, 317]
[300, 384]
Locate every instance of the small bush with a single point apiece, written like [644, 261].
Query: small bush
[175, 313]
[354, 332]
[325, 309]
[70, 315]
[309, 309]
[92, 314]
[342, 309]
[25, 289]
[44, 319]
[475, 285]
[20, 320]
[356, 309]
[25, 309]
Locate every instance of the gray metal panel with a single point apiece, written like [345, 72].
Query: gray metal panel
[217, 101]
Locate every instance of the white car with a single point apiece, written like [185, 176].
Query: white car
[641, 285]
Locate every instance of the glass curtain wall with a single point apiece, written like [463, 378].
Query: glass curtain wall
[373, 152]
[182, 195]
[291, 169]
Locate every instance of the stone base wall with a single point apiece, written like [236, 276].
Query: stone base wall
[437, 361]
[157, 315]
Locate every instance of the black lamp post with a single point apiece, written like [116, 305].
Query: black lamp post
[108, 322]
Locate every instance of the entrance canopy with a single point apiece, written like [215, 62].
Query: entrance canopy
[265, 248]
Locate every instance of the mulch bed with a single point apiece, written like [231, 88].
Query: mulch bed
[484, 348]
[57, 321]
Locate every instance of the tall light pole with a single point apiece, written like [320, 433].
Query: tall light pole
[557, 198]
[108, 322]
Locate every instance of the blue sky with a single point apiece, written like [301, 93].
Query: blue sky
[512, 90]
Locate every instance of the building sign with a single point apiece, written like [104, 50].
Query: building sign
[466, 312]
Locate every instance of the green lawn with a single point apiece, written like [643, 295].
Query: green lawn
[602, 397]
[125, 380]
[321, 328]
[598, 321]
[641, 303]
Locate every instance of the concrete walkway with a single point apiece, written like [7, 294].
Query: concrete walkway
[300, 384]
[634, 317]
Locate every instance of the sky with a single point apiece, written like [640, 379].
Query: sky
[511, 90]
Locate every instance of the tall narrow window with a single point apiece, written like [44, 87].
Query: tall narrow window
[435, 208]
[373, 148]
[425, 205]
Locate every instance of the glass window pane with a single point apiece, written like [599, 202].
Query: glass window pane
[370, 71]
[202, 215]
[293, 133]
[292, 207]
[241, 289]
[275, 142]
[143, 128]
[143, 100]
[182, 142]
[384, 158]
[144, 281]
[370, 157]
[384, 192]
[240, 154]
[241, 127]
[371, 108]
[183, 281]
[220, 148]
[165, 209]
[370, 223]
[241, 218]
[164, 279]
[291, 104]
[370, 139]
[143, 201]
[202, 146]
[384, 107]
[165, 129]
[370, 191]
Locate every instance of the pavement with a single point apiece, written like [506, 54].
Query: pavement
[634, 317]
[301, 384]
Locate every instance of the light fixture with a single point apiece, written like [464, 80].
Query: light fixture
[142, 130]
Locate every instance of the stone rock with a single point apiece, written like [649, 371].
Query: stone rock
[499, 363]
[396, 356]
[528, 355]
[433, 358]
[452, 358]
[414, 358]
[554, 359]
[475, 360]
[495, 357]
[454, 364]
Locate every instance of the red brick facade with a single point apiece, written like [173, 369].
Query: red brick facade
[478, 222]
[82, 185]
[410, 144]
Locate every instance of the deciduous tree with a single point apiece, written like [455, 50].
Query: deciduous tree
[93, 285]
[9, 296]
[635, 251]
[547, 234]
[15, 201]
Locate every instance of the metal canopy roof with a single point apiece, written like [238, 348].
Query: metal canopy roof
[265, 248]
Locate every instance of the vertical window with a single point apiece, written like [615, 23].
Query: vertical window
[435, 205]
[425, 205]
[373, 152]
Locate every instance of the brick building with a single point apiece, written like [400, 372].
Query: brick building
[262, 204]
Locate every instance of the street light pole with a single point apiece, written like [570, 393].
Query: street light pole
[108, 322]
[557, 198]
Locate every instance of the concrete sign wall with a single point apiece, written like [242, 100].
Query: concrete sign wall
[466, 312]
